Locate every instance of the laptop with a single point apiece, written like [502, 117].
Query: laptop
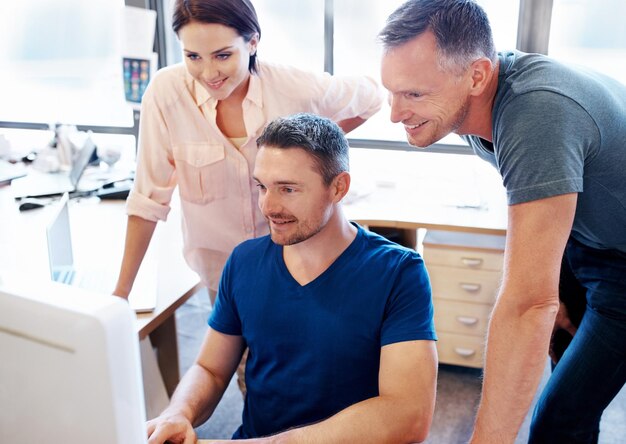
[37, 184]
[143, 296]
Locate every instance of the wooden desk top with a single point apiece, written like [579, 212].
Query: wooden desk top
[98, 233]
[412, 189]
[376, 210]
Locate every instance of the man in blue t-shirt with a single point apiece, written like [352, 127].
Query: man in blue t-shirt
[557, 135]
[338, 321]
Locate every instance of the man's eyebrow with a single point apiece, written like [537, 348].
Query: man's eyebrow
[278, 182]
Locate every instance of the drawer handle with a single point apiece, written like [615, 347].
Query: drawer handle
[471, 288]
[467, 320]
[472, 261]
[465, 352]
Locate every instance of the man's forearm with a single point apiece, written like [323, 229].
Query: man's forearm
[517, 347]
[197, 395]
[376, 420]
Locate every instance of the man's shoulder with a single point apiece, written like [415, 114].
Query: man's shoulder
[253, 246]
[528, 72]
[379, 247]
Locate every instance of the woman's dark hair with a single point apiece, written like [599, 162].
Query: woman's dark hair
[237, 14]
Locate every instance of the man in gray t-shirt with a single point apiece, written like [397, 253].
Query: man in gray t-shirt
[557, 135]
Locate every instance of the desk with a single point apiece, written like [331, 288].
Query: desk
[98, 233]
[432, 191]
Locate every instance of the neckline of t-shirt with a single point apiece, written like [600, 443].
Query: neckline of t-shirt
[319, 280]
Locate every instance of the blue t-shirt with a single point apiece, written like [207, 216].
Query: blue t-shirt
[558, 130]
[315, 349]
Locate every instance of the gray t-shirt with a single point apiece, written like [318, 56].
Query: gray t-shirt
[559, 130]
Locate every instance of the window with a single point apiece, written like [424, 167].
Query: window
[584, 33]
[60, 62]
[173, 52]
[291, 33]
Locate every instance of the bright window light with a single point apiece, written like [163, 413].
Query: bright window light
[584, 33]
[61, 62]
[292, 32]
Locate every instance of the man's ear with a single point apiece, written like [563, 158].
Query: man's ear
[481, 71]
[340, 186]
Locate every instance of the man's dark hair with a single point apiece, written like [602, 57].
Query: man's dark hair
[320, 137]
[461, 29]
[237, 14]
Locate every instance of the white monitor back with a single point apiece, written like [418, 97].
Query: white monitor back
[70, 370]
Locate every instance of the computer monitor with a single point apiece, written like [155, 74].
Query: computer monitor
[70, 369]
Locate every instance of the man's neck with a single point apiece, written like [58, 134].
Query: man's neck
[309, 259]
[479, 121]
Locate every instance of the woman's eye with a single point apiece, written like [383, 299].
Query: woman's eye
[193, 56]
[222, 56]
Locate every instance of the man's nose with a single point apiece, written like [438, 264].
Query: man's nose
[399, 112]
[269, 203]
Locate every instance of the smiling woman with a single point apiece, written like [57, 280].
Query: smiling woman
[222, 68]
[199, 124]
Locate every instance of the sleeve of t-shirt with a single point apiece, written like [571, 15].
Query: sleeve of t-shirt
[542, 139]
[409, 311]
[224, 316]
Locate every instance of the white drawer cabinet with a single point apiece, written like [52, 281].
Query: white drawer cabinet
[461, 317]
[465, 271]
[458, 284]
[458, 349]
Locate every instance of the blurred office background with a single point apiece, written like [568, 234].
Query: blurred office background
[59, 62]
